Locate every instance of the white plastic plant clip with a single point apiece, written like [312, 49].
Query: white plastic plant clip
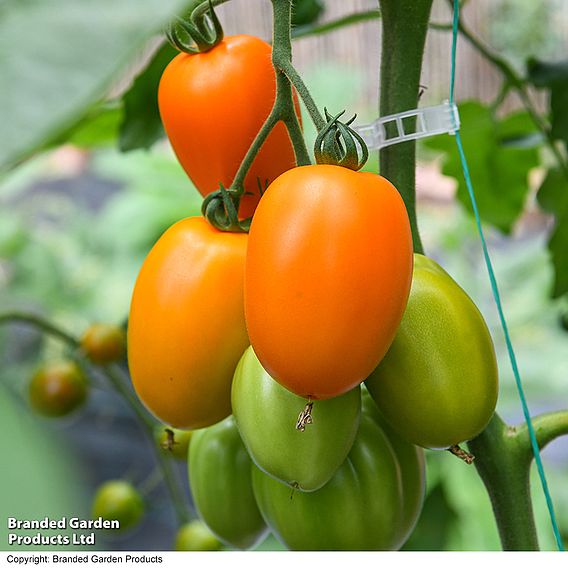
[410, 125]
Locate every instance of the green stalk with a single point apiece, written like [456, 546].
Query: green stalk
[405, 24]
[501, 462]
[283, 109]
[504, 457]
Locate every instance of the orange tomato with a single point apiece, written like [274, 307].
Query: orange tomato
[186, 331]
[103, 343]
[212, 106]
[327, 277]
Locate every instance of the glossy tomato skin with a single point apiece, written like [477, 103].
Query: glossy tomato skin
[186, 331]
[58, 388]
[327, 277]
[412, 466]
[104, 343]
[221, 485]
[118, 500]
[196, 536]
[212, 106]
[361, 508]
[266, 415]
[438, 384]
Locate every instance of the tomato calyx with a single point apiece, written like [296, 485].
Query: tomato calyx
[462, 454]
[221, 207]
[195, 34]
[305, 417]
[336, 144]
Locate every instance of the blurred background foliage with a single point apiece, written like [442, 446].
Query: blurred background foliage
[78, 216]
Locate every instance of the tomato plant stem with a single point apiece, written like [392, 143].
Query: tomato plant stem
[283, 108]
[502, 464]
[405, 24]
[117, 380]
[289, 70]
[547, 427]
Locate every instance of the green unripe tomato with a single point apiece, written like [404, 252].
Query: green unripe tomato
[266, 414]
[361, 508]
[104, 343]
[118, 500]
[58, 388]
[173, 441]
[437, 386]
[306, 11]
[412, 464]
[221, 485]
[195, 536]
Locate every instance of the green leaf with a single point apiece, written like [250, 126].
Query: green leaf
[553, 198]
[57, 57]
[499, 161]
[552, 195]
[554, 77]
[306, 11]
[97, 129]
[141, 125]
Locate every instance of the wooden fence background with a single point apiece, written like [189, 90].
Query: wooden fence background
[358, 46]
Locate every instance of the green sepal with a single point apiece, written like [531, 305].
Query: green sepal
[337, 144]
[220, 209]
[194, 35]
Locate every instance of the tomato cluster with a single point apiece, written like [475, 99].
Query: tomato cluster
[263, 341]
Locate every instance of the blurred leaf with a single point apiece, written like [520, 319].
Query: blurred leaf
[499, 162]
[13, 236]
[309, 30]
[306, 11]
[553, 76]
[59, 56]
[436, 521]
[544, 74]
[553, 193]
[99, 129]
[553, 198]
[156, 193]
[46, 471]
[141, 125]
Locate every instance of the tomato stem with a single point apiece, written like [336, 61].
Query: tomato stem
[405, 24]
[117, 379]
[196, 33]
[215, 205]
[504, 466]
[294, 77]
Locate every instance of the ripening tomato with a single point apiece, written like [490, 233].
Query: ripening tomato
[58, 388]
[221, 485]
[103, 343]
[437, 386]
[363, 507]
[327, 277]
[196, 536]
[412, 464]
[186, 331]
[118, 500]
[266, 414]
[212, 106]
